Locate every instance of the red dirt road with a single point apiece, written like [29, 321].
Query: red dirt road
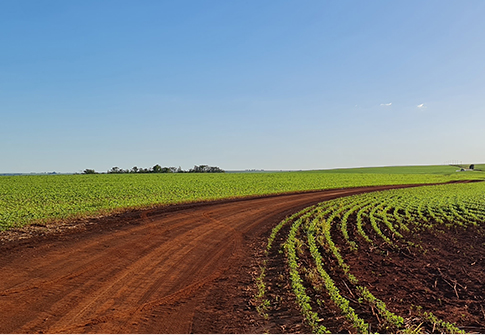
[176, 269]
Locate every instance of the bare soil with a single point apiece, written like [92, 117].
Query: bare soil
[187, 269]
[445, 276]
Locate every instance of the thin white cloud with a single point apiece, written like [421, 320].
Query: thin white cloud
[386, 105]
[421, 106]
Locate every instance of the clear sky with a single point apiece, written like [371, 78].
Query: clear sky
[248, 84]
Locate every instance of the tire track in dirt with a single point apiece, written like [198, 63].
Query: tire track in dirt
[148, 273]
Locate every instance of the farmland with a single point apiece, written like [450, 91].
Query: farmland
[179, 269]
[46, 198]
[408, 260]
[146, 254]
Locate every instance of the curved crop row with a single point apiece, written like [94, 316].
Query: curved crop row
[377, 220]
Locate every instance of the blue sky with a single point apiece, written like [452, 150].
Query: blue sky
[240, 84]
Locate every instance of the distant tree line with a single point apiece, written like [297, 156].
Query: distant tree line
[159, 169]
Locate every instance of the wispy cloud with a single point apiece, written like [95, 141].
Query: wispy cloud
[386, 105]
[421, 106]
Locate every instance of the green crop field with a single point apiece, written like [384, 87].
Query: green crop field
[27, 199]
[427, 239]
[425, 169]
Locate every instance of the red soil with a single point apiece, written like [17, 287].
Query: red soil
[176, 269]
[445, 277]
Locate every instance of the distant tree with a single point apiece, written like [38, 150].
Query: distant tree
[115, 169]
[215, 169]
[198, 169]
[157, 169]
[206, 169]
[472, 167]
[89, 171]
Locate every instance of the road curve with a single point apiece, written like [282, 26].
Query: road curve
[151, 272]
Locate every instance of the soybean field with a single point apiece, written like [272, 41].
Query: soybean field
[47, 198]
[397, 261]
[151, 253]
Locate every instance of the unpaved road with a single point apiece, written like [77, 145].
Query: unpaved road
[177, 269]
